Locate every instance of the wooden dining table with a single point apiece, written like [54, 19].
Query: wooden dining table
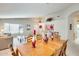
[41, 49]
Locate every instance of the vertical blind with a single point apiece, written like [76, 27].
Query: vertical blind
[13, 28]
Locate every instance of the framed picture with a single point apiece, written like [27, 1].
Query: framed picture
[70, 26]
[28, 26]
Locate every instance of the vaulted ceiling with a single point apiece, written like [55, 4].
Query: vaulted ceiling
[30, 9]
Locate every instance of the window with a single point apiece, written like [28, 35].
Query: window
[77, 30]
[13, 28]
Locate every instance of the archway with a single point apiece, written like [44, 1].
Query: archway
[72, 46]
[73, 21]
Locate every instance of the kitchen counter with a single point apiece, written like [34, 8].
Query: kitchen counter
[5, 41]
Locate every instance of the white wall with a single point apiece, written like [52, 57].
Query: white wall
[59, 24]
[62, 22]
[68, 15]
[67, 19]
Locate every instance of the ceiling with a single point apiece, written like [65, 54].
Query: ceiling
[30, 9]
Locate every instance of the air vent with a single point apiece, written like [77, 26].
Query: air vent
[49, 19]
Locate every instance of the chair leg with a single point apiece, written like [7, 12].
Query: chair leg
[17, 52]
[64, 54]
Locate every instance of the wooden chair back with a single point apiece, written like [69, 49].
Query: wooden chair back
[57, 52]
[13, 53]
[64, 47]
[61, 51]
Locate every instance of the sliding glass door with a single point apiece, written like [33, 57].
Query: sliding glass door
[13, 28]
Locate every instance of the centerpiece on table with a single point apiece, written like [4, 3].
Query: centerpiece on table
[34, 39]
[45, 38]
[52, 36]
[52, 30]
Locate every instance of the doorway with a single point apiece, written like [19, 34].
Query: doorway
[73, 34]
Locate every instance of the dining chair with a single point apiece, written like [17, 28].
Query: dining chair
[38, 36]
[29, 38]
[64, 47]
[61, 51]
[57, 52]
[13, 52]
